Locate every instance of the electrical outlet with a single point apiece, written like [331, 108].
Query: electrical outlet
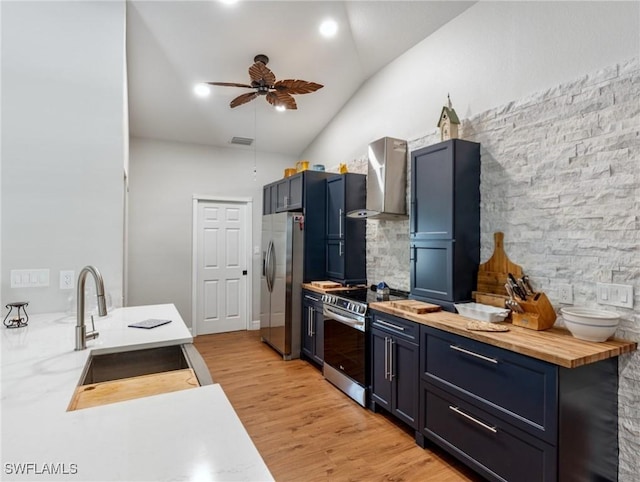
[614, 295]
[66, 280]
[565, 294]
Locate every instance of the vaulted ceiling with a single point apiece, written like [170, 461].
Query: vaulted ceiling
[174, 45]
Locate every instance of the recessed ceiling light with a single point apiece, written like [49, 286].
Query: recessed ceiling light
[281, 108]
[201, 90]
[328, 28]
[229, 2]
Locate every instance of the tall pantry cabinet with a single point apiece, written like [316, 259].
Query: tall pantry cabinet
[445, 222]
[346, 243]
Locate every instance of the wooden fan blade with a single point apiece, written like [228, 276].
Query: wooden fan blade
[281, 98]
[294, 86]
[230, 84]
[243, 99]
[261, 74]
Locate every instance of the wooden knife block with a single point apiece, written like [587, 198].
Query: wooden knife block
[538, 313]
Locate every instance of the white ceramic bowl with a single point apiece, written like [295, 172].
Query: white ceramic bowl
[590, 325]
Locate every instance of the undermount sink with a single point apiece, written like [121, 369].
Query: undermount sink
[126, 364]
[114, 377]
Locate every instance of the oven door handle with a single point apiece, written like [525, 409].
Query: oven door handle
[328, 313]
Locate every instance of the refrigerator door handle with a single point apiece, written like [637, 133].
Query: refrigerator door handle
[272, 266]
[264, 264]
[266, 267]
[267, 263]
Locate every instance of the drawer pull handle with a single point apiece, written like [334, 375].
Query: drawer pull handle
[389, 325]
[386, 358]
[311, 298]
[473, 419]
[477, 355]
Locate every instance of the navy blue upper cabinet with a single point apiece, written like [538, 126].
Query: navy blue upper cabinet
[289, 193]
[445, 191]
[269, 199]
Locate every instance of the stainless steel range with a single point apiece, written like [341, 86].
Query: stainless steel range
[346, 340]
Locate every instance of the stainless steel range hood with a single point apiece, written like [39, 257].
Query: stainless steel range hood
[386, 181]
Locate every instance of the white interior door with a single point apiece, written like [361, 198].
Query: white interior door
[221, 280]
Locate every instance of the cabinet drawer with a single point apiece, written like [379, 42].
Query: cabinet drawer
[520, 389]
[396, 326]
[312, 298]
[494, 448]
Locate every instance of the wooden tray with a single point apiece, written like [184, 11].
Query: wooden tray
[414, 306]
[325, 284]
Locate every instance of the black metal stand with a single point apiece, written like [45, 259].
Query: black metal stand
[17, 321]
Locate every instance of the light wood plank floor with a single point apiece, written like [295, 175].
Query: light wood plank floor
[307, 430]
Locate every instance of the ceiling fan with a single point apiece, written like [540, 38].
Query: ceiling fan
[263, 81]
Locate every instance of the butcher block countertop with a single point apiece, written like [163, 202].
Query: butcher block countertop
[555, 345]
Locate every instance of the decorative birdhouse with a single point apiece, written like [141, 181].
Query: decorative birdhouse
[448, 122]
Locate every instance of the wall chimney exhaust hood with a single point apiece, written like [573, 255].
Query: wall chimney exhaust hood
[386, 181]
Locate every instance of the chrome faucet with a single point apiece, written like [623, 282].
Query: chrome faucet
[81, 330]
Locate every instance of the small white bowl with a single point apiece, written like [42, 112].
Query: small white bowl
[590, 325]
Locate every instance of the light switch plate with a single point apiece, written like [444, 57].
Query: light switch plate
[614, 295]
[29, 278]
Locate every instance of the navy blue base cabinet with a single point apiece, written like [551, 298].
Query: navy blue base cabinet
[395, 355]
[514, 418]
[312, 327]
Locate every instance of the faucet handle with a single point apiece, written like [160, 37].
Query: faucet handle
[93, 334]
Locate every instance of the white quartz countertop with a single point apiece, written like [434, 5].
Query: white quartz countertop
[190, 435]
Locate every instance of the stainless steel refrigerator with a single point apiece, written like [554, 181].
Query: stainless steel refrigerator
[282, 271]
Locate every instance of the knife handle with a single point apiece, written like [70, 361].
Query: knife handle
[527, 284]
[515, 287]
[523, 288]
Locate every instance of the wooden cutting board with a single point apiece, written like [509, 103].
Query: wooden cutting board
[103, 393]
[492, 275]
[325, 284]
[414, 306]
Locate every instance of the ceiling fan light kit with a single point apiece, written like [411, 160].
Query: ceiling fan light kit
[278, 93]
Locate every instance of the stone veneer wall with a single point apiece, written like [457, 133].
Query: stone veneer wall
[560, 177]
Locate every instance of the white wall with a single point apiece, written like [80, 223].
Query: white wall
[164, 176]
[62, 144]
[492, 53]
